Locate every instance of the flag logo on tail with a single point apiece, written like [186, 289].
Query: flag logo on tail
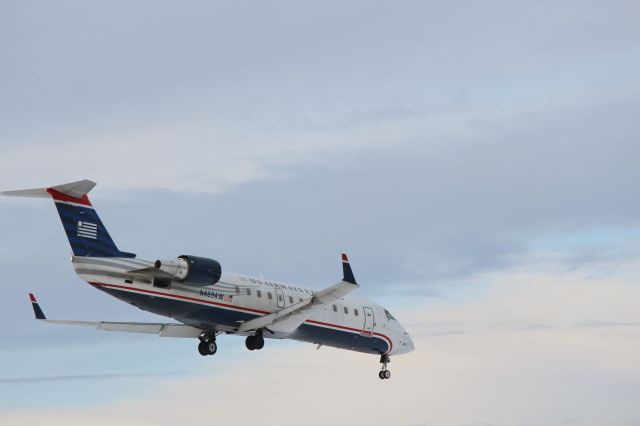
[87, 230]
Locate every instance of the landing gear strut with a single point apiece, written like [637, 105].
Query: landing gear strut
[207, 345]
[255, 342]
[384, 373]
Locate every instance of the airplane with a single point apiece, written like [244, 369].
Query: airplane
[207, 301]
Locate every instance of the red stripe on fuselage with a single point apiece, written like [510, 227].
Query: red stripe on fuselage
[240, 308]
[178, 296]
[59, 196]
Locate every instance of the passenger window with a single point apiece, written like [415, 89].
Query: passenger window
[259, 293]
[280, 297]
[355, 312]
[346, 311]
[301, 300]
[291, 299]
[248, 292]
[335, 308]
[270, 295]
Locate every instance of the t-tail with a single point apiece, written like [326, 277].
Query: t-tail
[86, 233]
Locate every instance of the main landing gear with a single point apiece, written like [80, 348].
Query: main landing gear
[384, 373]
[207, 345]
[255, 342]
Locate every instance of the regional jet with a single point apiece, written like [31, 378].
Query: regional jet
[207, 301]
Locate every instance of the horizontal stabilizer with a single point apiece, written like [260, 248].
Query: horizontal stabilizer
[76, 189]
[87, 235]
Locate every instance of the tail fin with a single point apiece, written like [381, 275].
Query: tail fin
[85, 231]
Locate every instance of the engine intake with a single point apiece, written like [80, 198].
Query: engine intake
[193, 270]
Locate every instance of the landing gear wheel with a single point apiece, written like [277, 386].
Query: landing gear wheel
[207, 345]
[202, 349]
[254, 342]
[211, 347]
[381, 374]
[387, 374]
[258, 342]
[250, 342]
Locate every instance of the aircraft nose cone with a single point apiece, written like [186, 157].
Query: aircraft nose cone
[406, 344]
[410, 344]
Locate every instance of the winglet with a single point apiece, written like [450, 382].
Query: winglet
[36, 307]
[347, 273]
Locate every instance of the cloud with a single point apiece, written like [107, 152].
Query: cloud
[240, 93]
[193, 157]
[90, 377]
[608, 324]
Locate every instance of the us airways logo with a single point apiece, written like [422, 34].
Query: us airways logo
[87, 230]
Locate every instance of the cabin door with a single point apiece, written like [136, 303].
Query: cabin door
[369, 320]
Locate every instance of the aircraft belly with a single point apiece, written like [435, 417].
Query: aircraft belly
[194, 314]
[228, 319]
[341, 339]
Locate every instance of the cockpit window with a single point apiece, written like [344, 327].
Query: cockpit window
[389, 316]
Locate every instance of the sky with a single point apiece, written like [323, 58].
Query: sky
[477, 160]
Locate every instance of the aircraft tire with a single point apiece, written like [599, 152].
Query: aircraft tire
[211, 347]
[381, 374]
[250, 342]
[258, 342]
[387, 374]
[202, 350]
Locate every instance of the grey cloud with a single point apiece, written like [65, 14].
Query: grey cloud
[421, 215]
[606, 323]
[89, 377]
[532, 327]
[291, 65]
[439, 333]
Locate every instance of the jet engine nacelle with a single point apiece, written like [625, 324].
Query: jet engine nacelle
[192, 270]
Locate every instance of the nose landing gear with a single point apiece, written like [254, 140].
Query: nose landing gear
[384, 373]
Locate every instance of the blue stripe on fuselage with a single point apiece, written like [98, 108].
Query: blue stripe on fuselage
[341, 339]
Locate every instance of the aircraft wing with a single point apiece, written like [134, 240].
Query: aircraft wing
[162, 329]
[287, 320]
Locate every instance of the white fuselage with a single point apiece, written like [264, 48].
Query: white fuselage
[350, 323]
